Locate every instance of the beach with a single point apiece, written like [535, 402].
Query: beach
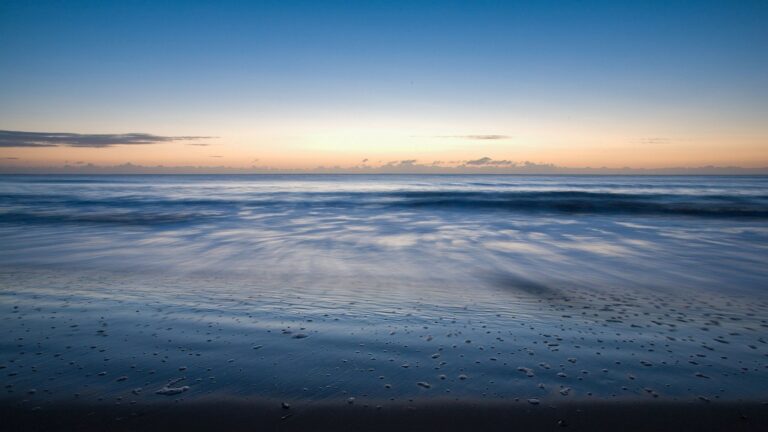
[380, 302]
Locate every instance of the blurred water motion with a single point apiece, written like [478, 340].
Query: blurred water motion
[601, 232]
[384, 287]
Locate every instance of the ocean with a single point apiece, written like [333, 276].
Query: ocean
[386, 289]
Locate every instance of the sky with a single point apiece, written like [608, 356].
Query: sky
[298, 85]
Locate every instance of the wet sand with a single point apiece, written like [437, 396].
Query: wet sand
[94, 351]
[248, 415]
[383, 303]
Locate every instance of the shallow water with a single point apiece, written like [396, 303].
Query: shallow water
[384, 288]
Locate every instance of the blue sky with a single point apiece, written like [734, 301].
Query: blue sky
[293, 82]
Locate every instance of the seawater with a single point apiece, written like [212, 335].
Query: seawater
[329, 287]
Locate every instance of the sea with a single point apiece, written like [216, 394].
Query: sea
[376, 289]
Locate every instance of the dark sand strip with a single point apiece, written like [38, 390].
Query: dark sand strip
[247, 415]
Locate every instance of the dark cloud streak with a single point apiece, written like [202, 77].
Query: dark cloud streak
[486, 161]
[63, 139]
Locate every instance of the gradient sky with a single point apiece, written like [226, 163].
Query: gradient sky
[292, 84]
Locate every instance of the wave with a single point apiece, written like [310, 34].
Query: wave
[140, 209]
[115, 218]
[594, 202]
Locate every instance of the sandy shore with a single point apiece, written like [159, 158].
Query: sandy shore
[249, 415]
[447, 319]
[228, 357]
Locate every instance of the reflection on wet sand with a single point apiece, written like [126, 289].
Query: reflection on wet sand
[305, 304]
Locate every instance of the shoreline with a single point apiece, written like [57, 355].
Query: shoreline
[250, 414]
[206, 306]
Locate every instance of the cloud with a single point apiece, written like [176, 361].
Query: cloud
[477, 136]
[486, 161]
[61, 139]
[402, 163]
[534, 165]
[409, 166]
[486, 137]
[198, 144]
